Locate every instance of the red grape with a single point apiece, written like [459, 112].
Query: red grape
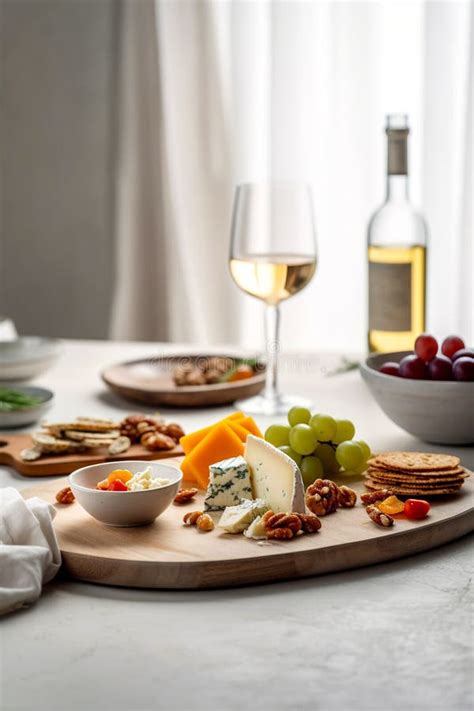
[451, 344]
[467, 352]
[463, 369]
[413, 367]
[390, 368]
[426, 346]
[441, 368]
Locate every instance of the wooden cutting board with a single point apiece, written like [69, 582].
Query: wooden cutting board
[11, 446]
[167, 554]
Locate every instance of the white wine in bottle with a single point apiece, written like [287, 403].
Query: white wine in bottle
[397, 255]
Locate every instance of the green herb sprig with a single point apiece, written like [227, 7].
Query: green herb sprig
[11, 400]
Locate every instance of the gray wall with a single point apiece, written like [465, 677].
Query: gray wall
[58, 64]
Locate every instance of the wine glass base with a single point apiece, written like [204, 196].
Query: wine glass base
[277, 405]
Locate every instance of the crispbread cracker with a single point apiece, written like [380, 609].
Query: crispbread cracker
[120, 445]
[96, 443]
[415, 482]
[407, 472]
[417, 485]
[80, 435]
[419, 477]
[79, 425]
[416, 461]
[412, 492]
[47, 444]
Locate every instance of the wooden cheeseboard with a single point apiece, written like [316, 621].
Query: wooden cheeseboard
[12, 444]
[169, 555]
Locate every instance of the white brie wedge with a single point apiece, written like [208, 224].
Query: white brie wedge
[275, 477]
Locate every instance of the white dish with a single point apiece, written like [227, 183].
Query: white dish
[124, 508]
[438, 411]
[27, 357]
[28, 415]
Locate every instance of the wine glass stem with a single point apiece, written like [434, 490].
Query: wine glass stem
[272, 340]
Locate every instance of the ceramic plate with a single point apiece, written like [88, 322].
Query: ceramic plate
[150, 380]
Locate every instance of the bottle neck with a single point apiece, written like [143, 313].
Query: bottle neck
[397, 165]
[397, 188]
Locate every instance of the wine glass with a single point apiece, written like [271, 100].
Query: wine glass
[272, 257]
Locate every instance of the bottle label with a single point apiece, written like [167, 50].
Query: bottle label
[389, 297]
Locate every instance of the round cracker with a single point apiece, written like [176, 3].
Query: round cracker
[410, 472]
[417, 461]
[411, 484]
[434, 487]
[394, 476]
[415, 492]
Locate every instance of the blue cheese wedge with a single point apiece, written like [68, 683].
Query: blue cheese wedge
[236, 519]
[275, 477]
[229, 484]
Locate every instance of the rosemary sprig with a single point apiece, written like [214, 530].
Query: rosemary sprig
[15, 400]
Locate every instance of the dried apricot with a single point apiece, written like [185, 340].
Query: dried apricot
[123, 474]
[242, 372]
[391, 506]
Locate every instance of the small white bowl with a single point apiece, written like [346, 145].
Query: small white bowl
[124, 508]
[26, 415]
[438, 411]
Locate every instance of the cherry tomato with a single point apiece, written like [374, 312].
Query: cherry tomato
[117, 485]
[416, 508]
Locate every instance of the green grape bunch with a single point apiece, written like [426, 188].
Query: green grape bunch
[321, 445]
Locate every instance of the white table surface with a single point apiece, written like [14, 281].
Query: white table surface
[391, 636]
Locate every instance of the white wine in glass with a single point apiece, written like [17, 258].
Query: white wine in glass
[272, 257]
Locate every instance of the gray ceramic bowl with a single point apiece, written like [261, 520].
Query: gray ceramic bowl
[124, 508]
[27, 356]
[435, 411]
[26, 415]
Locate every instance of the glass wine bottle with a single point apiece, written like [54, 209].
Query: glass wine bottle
[397, 254]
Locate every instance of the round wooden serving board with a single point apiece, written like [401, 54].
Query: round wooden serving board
[150, 380]
[167, 554]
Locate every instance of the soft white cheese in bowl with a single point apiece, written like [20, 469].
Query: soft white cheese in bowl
[152, 488]
[142, 481]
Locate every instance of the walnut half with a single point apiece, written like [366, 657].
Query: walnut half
[65, 496]
[321, 497]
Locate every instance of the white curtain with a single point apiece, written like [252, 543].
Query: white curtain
[244, 91]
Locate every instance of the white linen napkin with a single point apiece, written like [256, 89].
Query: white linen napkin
[29, 551]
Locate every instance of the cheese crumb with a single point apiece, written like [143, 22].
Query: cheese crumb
[141, 481]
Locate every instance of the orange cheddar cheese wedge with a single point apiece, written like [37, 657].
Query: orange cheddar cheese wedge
[191, 440]
[220, 443]
[185, 468]
[250, 425]
[235, 426]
